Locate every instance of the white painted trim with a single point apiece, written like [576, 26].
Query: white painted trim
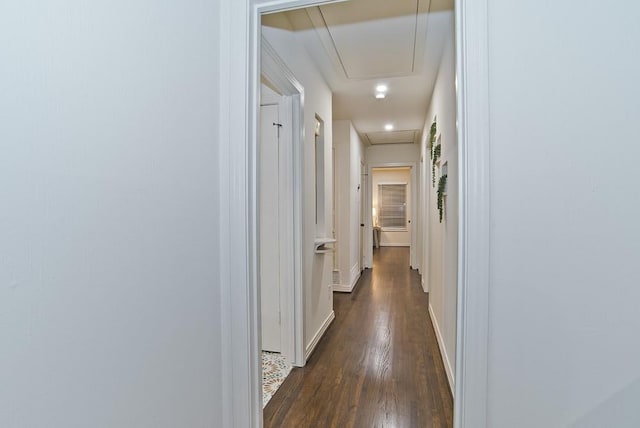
[472, 99]
[354, 274]
[424, 283]
[316, 337]
[240, 309]
[341, 288]
[278, 74]
[238, 88]
[448, 368]
[396, 244]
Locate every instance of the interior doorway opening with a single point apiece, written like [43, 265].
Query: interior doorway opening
[239, 87]
[279, 190]
[394, 217]
[393, 202]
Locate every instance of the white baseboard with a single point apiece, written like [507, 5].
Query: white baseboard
[391, 244]
[354, 274]
[443, 352]
[341, 288]
[316, 338]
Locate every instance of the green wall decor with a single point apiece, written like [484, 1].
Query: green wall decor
[435, 155]
[432, 136]
[442, 188]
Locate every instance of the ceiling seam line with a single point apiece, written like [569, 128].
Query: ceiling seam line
[415, 37]
[335, 47]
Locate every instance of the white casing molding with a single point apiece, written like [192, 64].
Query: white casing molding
[239, 90]
[316, 337]
[472, 99]
[239, 311]
[239, 44]
[292, 298]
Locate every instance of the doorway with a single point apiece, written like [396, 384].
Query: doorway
[392, 194]
[238, 89]
[279, 208]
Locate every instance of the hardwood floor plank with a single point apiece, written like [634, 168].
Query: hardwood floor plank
[378, 364]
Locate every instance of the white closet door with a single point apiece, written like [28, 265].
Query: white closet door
[269, 223]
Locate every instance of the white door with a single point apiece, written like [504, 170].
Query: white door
[269, 225]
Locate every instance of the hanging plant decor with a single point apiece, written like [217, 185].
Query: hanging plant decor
[432, 136]
[442, 187]
[436, 152]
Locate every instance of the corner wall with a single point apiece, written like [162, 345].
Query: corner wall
[349, 156]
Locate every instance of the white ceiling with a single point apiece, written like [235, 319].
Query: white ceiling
[390, 137]
[360, 43]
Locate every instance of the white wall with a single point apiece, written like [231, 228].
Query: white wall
[564, 348]
[349, 155]
[109, 293]
[438, 244]
[317, 268]
[390, 237]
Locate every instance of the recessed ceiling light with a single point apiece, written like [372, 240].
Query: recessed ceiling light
[388, 127]
[380, 95]
[381, 88]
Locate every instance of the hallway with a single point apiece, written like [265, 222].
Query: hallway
[379, 363]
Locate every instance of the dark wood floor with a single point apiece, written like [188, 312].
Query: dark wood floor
[378, 364]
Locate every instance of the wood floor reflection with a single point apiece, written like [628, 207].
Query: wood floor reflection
[378, 364]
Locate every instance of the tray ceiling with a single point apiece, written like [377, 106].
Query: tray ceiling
[392, 137]
[379, 40]
[359, 44]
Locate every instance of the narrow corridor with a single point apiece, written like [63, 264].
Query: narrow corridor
[378, 364]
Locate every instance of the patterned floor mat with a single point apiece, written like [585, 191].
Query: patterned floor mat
[275, 369]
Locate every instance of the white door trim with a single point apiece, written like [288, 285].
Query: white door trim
[472, 99]
[239, 45]
[291, 140]
[412, 213]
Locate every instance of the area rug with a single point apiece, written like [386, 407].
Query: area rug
[275, 369]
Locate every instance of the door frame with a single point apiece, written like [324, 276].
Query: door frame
[368, 252]
[362, 219]
[278, 74]
[239, 47]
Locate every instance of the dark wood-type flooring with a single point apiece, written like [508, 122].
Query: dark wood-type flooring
[378, 365]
